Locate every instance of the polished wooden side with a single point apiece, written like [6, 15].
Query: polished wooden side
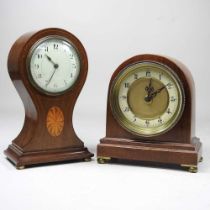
[35, 144]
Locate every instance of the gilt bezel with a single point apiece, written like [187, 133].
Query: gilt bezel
[120, 117]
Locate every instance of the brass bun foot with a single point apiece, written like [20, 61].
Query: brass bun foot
[193, 169]
[20, 167]
[190, 168]
[87, 159]
[103, 160]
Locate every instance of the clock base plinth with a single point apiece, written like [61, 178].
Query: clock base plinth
[22, 159]
[182, 154]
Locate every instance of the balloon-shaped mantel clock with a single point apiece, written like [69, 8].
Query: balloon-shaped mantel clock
[151, 113]
[48, 69]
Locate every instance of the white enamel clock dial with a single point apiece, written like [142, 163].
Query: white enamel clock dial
[147, 98]
[53, 65]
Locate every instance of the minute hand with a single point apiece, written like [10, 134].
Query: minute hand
[51, 77]
[152, 95]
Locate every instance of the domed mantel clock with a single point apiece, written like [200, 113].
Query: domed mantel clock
[151, 113]
[48, 69]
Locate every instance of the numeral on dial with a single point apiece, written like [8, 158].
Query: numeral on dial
[135, 76]
[127, 84]
[123, 97]
[39, 76]
[173, 99]
[147, 122]
[160, 76]
[36, 66]
[169, 85]
[126, 109]
[160, 120]
[55, 46]
[39, 56]
[148, 74]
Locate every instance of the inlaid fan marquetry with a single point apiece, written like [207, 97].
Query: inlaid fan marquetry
[55, 121]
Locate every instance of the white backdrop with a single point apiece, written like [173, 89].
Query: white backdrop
[111, 31]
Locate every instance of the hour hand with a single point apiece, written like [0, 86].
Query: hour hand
[48, 57]
[149, 88]
[55, 65]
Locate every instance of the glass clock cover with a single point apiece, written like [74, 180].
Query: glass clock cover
[53, 65]
[147, 98]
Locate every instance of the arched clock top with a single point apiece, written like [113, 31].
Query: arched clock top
[186, 81]
[151, 113]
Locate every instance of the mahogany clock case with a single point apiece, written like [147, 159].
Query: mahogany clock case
[35, 144]
[179, 145]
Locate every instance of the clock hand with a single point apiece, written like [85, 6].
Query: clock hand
[157, 91]
[150, 97]
[51, 77]
[55, 65]
[55, 68]
[51, 61]
[149, 90]
[153, 94]
[150, 83]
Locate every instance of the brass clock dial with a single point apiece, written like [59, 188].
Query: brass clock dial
[147, 98]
